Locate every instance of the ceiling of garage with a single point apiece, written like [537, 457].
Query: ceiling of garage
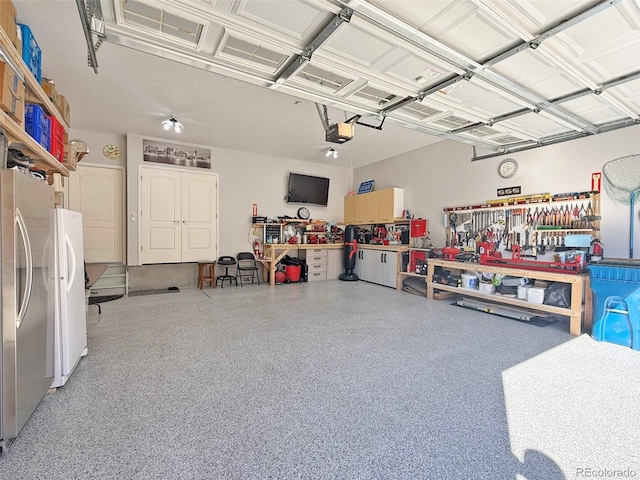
[500, 75]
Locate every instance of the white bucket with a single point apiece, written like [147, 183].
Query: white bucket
[522, 292]
[469, 281]
[535, 294]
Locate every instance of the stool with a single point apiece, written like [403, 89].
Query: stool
[226, 261]
[206, 273]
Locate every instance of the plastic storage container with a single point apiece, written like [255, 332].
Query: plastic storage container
[608, 280]
[37, 124]
[56, 139]
[535, 294]
[31, 53]
[469, 281]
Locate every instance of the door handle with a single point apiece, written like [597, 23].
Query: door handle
[26, 295]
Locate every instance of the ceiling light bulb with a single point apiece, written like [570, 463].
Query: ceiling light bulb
[332, 152]
[173, 123]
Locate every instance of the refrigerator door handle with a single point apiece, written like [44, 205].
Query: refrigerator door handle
[71, 255]
[26, 295]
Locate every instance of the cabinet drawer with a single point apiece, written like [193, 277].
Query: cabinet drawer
[317, 267]
[316, 253]
[316, 260]
[317, 276]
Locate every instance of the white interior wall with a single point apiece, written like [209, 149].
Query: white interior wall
[443, 175]
[433, 178]
[245, 179]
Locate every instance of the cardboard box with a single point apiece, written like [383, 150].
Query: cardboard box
[50, 89]
[8, 20]
[11, 93]
[65, 109]
[69, 159]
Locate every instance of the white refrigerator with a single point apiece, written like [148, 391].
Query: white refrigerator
[71, 314]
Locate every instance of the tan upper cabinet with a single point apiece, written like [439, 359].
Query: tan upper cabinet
[390, 204]
[349, 209]
[381, 206]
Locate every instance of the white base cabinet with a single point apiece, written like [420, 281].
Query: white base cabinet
[377, 266]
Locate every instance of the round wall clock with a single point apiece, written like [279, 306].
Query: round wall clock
[111, 152]
[303, 213]
[508, 168]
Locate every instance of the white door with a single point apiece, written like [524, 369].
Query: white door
[199, 217]
[161, 215]
[368, 265]
[97, 192]
[388, 269]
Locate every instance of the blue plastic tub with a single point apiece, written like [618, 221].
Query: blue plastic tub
[621, 281]
[37, 124]
[31, 53]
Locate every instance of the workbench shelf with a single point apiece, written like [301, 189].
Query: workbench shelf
[578, 313]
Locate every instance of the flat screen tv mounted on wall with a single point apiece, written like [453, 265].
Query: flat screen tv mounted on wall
[308, 189]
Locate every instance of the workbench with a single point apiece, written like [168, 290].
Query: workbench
[274, 252]
[579, 310]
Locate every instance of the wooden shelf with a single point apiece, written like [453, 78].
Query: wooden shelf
[18, 138]
[579, 286]
[30, 81]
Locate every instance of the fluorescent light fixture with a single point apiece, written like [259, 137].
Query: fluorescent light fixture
[173, 124]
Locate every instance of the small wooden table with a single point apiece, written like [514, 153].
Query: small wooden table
[94, 271]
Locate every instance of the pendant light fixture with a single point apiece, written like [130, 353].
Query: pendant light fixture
[173, 124]
[332, 152]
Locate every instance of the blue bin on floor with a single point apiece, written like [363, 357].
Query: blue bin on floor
[616, 281]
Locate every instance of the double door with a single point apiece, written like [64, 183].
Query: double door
[178, 216]
[377, 266]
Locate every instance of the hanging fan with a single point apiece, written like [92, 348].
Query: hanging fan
[622, 184]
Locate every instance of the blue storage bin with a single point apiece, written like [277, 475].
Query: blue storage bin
[37, 124]
[31, 53]
[617, 281]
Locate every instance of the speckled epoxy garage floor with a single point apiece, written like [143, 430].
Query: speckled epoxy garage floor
[326, 380]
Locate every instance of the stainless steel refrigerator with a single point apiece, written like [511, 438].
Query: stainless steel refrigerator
[28, 298]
